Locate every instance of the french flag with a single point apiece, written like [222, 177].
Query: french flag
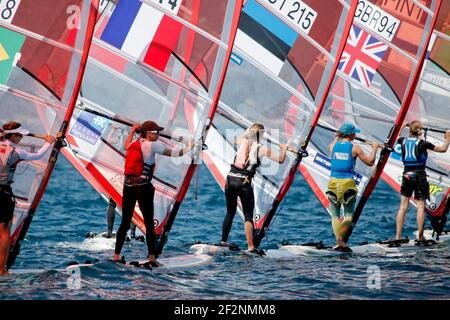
[143, 32]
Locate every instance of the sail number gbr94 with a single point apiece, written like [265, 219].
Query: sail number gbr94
[377, 20]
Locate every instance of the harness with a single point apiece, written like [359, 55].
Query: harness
[246, 161]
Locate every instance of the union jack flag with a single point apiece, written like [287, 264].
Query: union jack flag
[362, 56]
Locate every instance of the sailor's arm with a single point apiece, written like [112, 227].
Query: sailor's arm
[444, 147]
[277, 157]
[238, 140]
[29, 156]
[370, 159]
[178, 152]
[331, 145]
[130, 136]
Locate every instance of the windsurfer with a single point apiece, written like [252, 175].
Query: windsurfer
[342, 189]
[10, 155]
[239, 180]
[139, 168]
[414, 180]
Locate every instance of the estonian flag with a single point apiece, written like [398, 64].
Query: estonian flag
[264, 37]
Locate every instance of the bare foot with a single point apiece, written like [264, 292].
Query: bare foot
[340, 244]
[153, 262]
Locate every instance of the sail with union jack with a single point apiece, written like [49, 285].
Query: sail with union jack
[362, 56]
[373, 88]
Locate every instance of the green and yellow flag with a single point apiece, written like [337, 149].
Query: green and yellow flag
[10, 44]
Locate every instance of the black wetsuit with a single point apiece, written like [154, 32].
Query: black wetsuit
[239, 184]
[143, 193]
[111, 217]
[7, 201]
[7, 204]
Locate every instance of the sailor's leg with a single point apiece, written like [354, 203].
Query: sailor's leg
[145, 200]
[334, 209]
[111, 215]
[128, 204]
[231, 194]
[349, 209]
[421, 193]
[4, 245]
[248, 205]
[420, 218]
[404, 203]
[406, 192]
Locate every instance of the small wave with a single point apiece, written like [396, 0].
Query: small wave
[92, 244]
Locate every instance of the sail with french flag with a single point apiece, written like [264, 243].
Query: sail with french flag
[143, 31]
[149, 59]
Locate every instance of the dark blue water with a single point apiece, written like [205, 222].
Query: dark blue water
[71, 208]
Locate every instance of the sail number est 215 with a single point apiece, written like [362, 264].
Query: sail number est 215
[8, 9]
[297, 14]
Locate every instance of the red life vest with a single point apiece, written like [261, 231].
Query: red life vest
[134, 162]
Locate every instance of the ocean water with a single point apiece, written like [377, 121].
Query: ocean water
[70, 208]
